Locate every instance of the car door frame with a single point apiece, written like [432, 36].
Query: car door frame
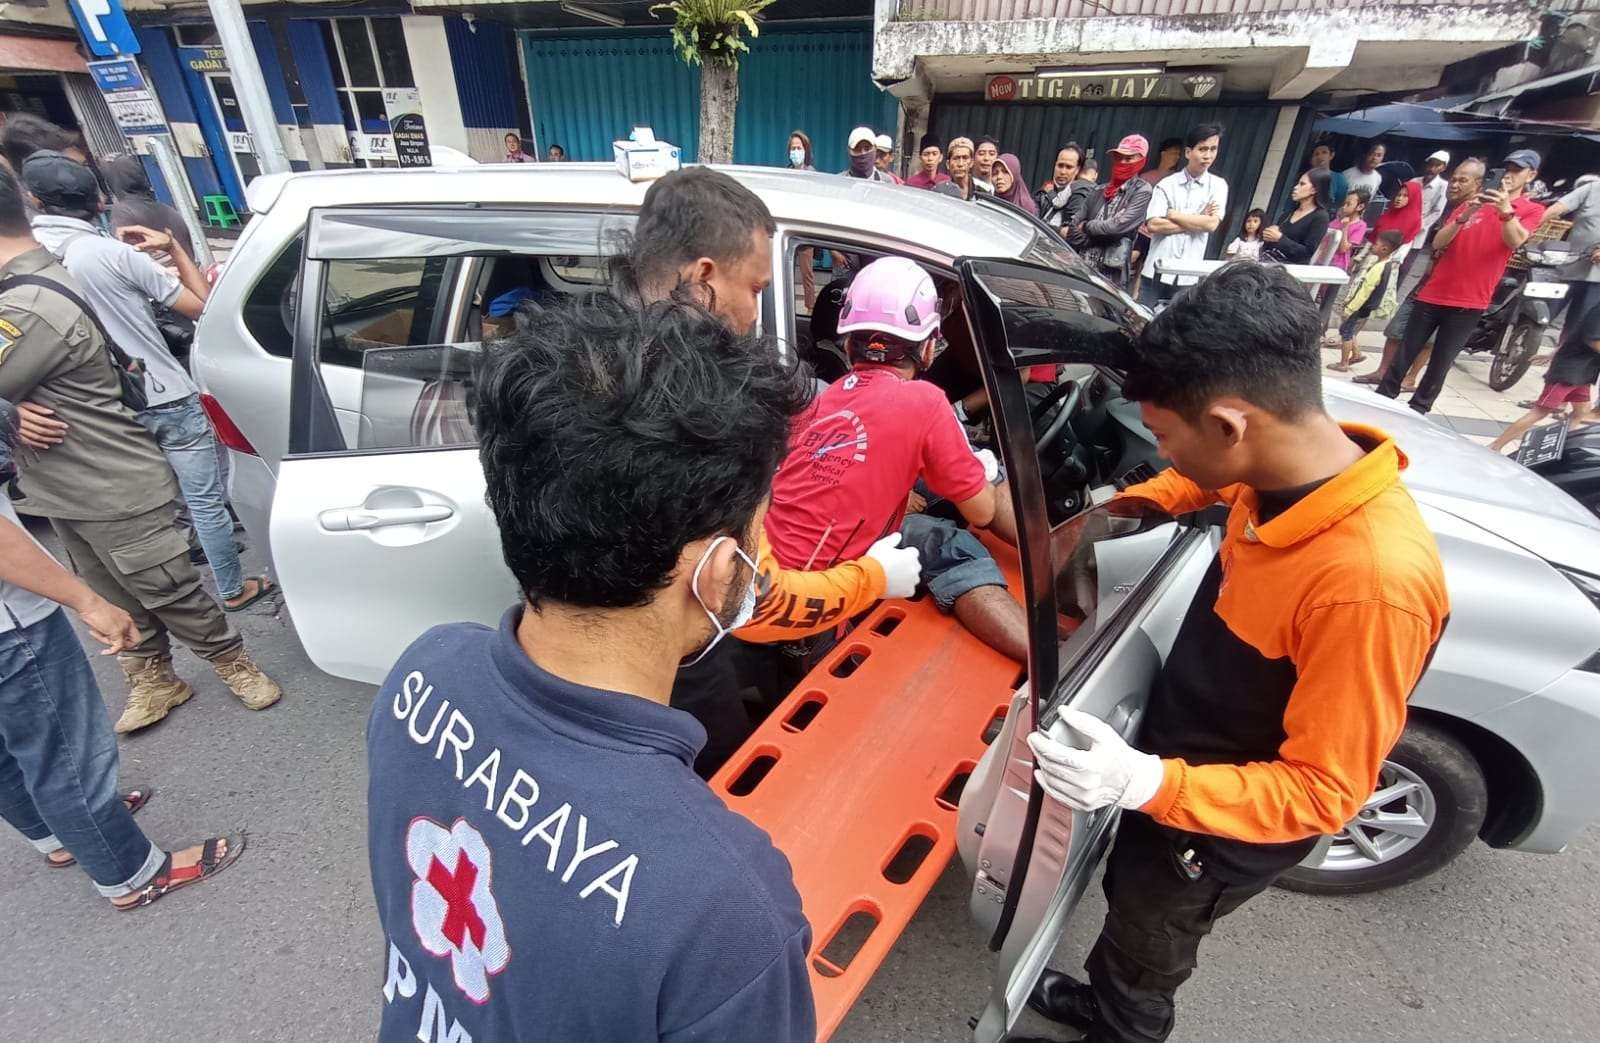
[1051, 901]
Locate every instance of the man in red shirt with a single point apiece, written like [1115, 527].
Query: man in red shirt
[861, 448]
[1472, 248]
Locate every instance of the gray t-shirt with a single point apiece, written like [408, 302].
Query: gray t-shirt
[119, 283]
[22, 608]
[1354, 179]
[1582, 206]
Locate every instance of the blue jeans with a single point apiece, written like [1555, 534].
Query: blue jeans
[183, 431]
[58, 759]
[954, 561]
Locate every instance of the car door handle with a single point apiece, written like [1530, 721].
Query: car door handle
[353, 519]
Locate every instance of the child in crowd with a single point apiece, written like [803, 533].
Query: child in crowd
[1348, 230]
[1370, 292]
[1247, 244]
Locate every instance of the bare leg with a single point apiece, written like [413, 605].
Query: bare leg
[1519, 427]
[1390, 346]
[1416, 368]
[995, 619]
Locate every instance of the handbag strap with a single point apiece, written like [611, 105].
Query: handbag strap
[118, 357]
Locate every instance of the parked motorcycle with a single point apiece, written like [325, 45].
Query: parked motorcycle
[1513, 327]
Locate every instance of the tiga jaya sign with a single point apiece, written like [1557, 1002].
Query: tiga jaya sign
[1160, 87]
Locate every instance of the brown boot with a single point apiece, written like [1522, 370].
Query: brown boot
[153, 691]
[246, 680]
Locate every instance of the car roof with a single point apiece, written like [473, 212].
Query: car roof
[938, 223]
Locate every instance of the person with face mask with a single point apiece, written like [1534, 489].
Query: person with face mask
[544, 859]
[800, 151]
[1111, 220]
[864, 157]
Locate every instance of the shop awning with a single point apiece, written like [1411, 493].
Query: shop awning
[39, 54]
[1500, 101]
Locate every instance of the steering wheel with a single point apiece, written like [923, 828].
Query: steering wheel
[1064, 395]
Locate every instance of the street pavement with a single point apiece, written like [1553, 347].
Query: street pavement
[285, 945]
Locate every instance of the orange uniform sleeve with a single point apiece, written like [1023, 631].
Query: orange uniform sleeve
[798, 604]
[1357, 663]
[1173, 493]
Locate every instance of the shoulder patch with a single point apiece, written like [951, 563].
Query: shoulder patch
[9, 335]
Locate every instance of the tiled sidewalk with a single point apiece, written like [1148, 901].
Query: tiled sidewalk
[1467, 404]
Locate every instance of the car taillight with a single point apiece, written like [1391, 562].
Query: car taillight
[230, 434]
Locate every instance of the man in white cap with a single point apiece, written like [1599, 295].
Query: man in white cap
[864, 156]
[1434, 184]
[885, 146]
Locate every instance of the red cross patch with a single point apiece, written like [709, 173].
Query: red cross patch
[453, 910]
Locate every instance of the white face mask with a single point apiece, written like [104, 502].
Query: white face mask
[797, 157]
[747, 607]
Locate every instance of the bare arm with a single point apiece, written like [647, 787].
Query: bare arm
[24, 564]
[1447, 233]
[192, 297]
[991, 509]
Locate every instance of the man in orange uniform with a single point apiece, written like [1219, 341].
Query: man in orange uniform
[1287, 683]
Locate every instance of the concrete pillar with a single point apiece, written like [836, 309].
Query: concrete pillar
[1272, 162]
[1305, 69]
[436, 80]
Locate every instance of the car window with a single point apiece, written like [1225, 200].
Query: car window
[1098, 558]
[269, 306]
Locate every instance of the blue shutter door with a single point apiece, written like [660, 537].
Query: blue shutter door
[819, 82]
[589, 90]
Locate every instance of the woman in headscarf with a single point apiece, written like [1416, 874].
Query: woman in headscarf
[1009, 185]
[1404, 214]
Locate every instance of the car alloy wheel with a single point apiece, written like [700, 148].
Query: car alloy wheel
[1394, 820]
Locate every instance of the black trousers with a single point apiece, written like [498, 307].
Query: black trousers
[1156, 917]
[1449, 329]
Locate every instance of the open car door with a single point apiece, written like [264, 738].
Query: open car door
[379, 527]
[1116, 580]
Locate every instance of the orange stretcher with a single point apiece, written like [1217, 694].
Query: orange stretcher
[856, 776]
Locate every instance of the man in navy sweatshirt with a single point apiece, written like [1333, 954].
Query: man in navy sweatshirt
[546, 863]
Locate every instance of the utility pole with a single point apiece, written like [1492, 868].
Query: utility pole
[249, 84]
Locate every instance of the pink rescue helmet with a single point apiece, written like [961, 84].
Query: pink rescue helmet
[892, 295]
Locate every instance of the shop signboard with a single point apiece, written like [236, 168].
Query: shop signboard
[1164, 87]
[403, 106]
[203, 59]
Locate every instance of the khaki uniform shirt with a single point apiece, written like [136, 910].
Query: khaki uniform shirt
[109, 466]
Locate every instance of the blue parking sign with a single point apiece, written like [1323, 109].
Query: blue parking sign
[104, 26]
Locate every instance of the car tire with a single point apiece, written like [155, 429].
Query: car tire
[1450, 795]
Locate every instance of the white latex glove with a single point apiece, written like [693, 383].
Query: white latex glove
[991, 466]
[1108, 772]
[902, 566]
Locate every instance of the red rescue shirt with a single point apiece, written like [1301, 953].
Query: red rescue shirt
[854, 457]
[1466, 274]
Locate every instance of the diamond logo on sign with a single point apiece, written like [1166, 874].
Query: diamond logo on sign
[1200, 86]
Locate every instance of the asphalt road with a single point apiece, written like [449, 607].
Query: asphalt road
[285, 945]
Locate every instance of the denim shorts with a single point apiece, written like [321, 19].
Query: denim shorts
[954, 561]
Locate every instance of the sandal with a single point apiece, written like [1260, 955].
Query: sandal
[134, 799]
[1369, 378]
[264, 586]
[169, 878]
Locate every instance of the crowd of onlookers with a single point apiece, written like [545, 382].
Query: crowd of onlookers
[1423, 251]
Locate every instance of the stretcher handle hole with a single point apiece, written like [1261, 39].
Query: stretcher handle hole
[949, 796]
[908, 858]
[805, 713]
[886, 626]
[760, 765]
[992, 729]
[851, 661]
[833, 959]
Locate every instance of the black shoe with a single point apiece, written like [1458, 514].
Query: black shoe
[197, 556]
[1061, 997]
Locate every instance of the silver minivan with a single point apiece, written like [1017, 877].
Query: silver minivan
[335, 358]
